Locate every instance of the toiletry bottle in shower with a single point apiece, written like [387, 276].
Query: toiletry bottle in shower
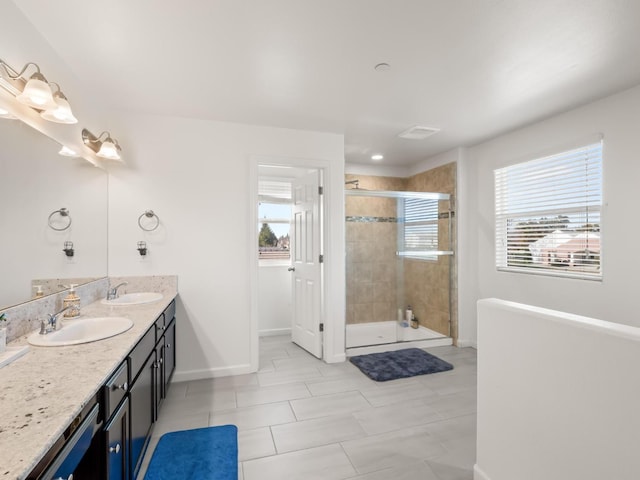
[408, 314]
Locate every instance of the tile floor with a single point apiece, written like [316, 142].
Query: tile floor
[302, 419]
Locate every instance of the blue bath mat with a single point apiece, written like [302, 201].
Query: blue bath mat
[204, 454]
[399, 364]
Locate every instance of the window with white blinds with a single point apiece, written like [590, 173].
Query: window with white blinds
[420, 228]
[548, 214]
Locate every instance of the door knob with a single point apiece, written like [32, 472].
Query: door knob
[115, 449]
[291, 269]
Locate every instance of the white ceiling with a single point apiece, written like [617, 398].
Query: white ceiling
[474, 68]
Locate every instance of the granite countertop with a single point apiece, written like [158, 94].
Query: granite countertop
[44, 390]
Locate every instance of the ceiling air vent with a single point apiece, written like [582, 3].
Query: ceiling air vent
[418, 132]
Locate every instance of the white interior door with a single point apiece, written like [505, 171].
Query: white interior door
[306, 263]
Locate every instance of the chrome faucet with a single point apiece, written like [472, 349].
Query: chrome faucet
[51, 323]
[112, 293]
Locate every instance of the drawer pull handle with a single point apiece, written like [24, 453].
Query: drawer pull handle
[115, 449]
[161, 361]
[168, 345]
[124, 386]
[160, 328]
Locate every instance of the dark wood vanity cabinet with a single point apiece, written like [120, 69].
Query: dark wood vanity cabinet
[150, 365]
[108, 439]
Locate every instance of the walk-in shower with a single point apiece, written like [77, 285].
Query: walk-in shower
[399, 254]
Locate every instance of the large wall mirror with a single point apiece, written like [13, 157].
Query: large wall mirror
[37, 181]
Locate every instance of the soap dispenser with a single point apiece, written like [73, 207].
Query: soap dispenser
[39, 291]
[71, 300]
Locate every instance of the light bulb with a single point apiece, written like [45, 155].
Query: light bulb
[37, 93]
[60, 112]
[109, 150]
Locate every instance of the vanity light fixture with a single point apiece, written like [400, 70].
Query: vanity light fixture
[36, 93]
[142, 248]
[60, 112]
[108, 148]
[68, 248]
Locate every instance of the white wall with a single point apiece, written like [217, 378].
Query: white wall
[274, 302]
[195, 175]
[614, 299]
[558, 396]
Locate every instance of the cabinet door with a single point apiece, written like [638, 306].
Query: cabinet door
[169, 363]
[160, 353]
[116, 441]
[142, 400]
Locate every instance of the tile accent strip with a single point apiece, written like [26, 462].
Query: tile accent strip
[357, 219]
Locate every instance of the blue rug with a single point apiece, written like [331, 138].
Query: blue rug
[399, 364]
[201, 454]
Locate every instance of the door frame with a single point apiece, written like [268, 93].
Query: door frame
[333, 301]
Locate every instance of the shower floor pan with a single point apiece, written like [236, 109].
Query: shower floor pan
[373, 337]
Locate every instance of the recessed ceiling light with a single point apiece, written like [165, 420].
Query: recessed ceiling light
[377, 157]
[382, 67]
[418, 133]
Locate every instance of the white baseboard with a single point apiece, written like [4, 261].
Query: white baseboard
[202, 374]
[467, 343]
[272, 332]
[478, 474]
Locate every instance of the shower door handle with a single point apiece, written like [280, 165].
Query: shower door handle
[291, 269]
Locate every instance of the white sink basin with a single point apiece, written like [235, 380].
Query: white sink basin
[83, 330]
[134, 298]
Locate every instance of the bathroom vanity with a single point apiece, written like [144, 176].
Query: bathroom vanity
[92, 405]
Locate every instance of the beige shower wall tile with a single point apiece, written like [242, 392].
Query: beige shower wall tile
[385, 271]
[370, 182]
[362, 312]
[383, 292]
[383, 312]
[363, 292]
[363, 272]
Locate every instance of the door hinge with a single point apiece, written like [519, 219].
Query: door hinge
[320, 190]
[322, 327]
[321, 259]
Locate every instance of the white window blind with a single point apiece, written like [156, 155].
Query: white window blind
[274, 219]
[420, 227]
[548, 214]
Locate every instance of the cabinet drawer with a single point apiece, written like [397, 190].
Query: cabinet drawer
[115, 389]
[141, 352]
[159, 327]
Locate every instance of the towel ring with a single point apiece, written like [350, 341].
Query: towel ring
[149, 214]
[63, 212]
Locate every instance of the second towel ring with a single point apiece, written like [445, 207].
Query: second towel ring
[63, 212]
[149, 214]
